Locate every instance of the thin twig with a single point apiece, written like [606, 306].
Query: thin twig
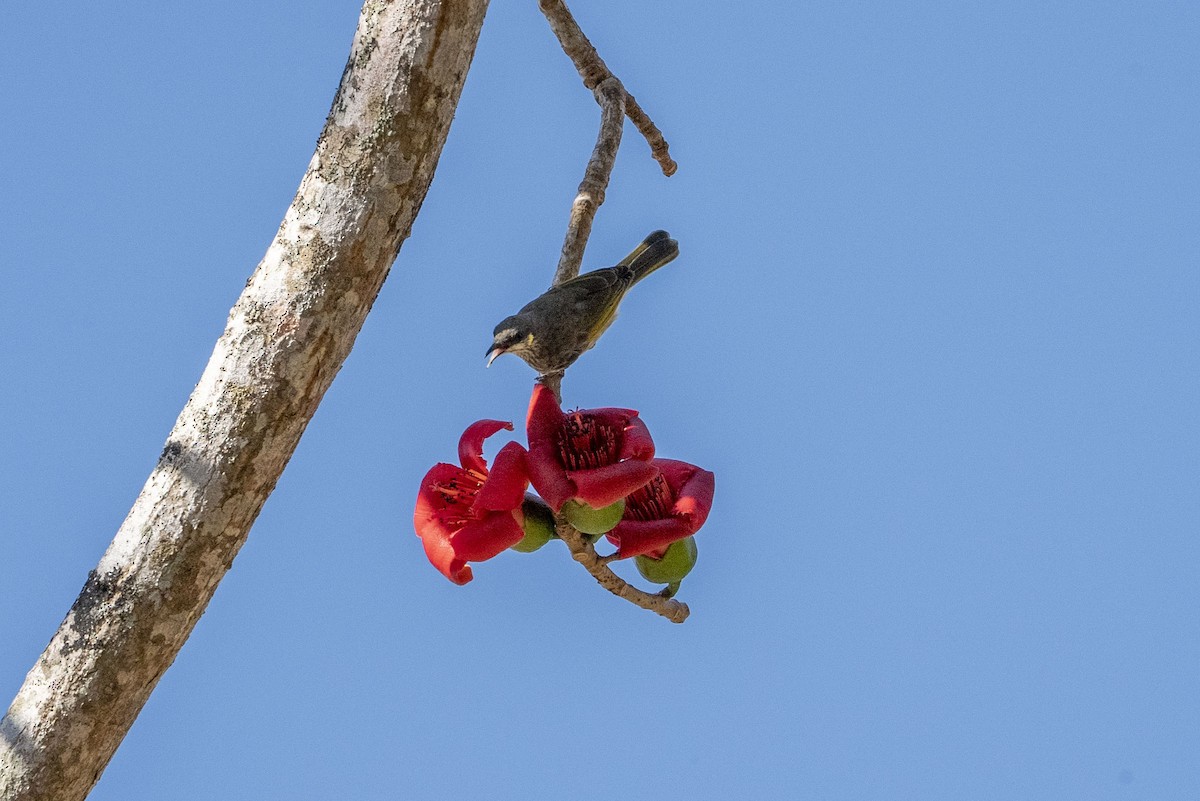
[611, 98]
[585, 554]
[594, 71]
[553, 382]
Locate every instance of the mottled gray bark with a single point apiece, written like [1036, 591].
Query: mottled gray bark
[286, 338]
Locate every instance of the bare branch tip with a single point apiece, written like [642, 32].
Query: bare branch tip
[678, 612]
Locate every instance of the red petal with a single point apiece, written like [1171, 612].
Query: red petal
[504, 489]
[429, 501]
[675, 472]
[482, 539]
[545, 470]
[638, 537]
[545, 416]
[470, 444]
[432, 529]
[441, 555]
[637, 443]
[611, 416]
[601, 486]
[549, 478]
[693, 488]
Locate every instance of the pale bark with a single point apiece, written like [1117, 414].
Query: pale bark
[611, 97]
[286, 338]
[594, 72]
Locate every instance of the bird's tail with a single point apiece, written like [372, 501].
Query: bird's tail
[655, 251]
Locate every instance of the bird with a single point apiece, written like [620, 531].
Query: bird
[554, 329]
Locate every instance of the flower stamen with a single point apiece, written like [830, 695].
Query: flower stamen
[652, 502]
[585, 443]
[462, 488]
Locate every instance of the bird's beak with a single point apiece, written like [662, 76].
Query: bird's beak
[492, 353]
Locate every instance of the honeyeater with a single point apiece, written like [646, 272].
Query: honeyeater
[555, 328]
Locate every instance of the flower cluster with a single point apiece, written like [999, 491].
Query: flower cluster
[469, 513]
[594, 468]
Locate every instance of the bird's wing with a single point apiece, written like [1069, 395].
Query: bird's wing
[597, 295]
[582, 296]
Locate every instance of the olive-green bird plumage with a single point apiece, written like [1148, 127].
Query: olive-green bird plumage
[555, 328]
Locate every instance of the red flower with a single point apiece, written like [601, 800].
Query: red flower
[673, 505]
[468, 514]
[597, 456]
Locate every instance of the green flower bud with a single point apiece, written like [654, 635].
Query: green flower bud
[593, 521]
[539, 524]
[677, 562]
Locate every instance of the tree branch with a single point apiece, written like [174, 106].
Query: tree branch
[615, 104]
[594, 71]
[285, 340]
[611, 98]
[584, 553]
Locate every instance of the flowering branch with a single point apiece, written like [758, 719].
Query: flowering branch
[615, 104]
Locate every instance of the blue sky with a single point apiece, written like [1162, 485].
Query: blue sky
[934, 328]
